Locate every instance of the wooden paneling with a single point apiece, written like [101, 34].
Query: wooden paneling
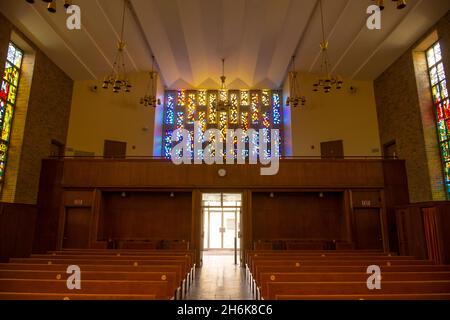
[396, 194]
[146, 216]
[50, 206]
[411, 235]
[17, 225]
[424, 230]
[84, 173]
[298, 216]
[100, 182]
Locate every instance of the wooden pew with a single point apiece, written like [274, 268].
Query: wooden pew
[170, 277]
[406, 296]
[59, 296]
[275, 289]
[264, 278]
[100, 264]
[157, 288]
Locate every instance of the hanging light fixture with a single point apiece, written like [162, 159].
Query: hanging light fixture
[51, 7]
[401, 4]
[222, 104]
[295, 98]
[326, 81]
[118, 79]
[149, 99]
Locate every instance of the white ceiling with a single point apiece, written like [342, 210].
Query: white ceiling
[257, 37]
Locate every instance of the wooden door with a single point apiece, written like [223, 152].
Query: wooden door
[114, 149]
[76, 230]
[367, 229]
[332, 149]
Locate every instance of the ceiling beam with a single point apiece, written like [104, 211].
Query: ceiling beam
[66, 44]
[108, 20]
[366, 61]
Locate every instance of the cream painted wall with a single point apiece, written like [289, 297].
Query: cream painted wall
[96, 116]
[335, 116]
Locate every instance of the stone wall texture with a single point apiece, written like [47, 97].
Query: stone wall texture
[406, 116]
[42, 115]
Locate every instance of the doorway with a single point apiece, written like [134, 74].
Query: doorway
[221, 214]
[367, 228]
[76, 229]
[332, 149]
[114, 149]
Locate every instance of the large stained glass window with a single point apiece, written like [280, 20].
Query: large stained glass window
[249, 109]
[441, 102]
[8, 97]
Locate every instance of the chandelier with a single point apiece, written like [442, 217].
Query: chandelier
[400, 4]
[149, 99]
[222, 103]
[295, 97]
[327, 80]
[51, 7]
[117, 79]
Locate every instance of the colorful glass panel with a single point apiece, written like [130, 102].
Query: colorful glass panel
[439, 92]
[253, 109]
[191, 107]
[8, 97]
[212, 110]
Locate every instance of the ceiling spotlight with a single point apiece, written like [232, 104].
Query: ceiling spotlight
[272, 195]
[380, 4]
[51, 6]
[172, 195]
[401, 4]
[123, 195]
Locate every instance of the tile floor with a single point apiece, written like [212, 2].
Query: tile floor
[219, 279]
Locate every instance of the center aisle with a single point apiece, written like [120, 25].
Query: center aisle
[219, 279]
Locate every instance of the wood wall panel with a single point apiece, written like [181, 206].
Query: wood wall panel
[298, 216]
[146, 216]
[50, 206]
[17, 225]
[396, 193]
[157, 173]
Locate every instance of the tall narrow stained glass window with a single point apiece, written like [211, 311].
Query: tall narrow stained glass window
[8, 97]
[442, 108]
[249, 109]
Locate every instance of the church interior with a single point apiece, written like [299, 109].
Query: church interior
[224, 150]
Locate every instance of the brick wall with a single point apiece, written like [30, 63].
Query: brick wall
[42, 115]
[405, 115]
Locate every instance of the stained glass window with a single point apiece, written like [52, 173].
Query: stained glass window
[255, 109]
[8, 97]
[441, 102]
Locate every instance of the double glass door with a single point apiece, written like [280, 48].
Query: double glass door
[221, 221]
